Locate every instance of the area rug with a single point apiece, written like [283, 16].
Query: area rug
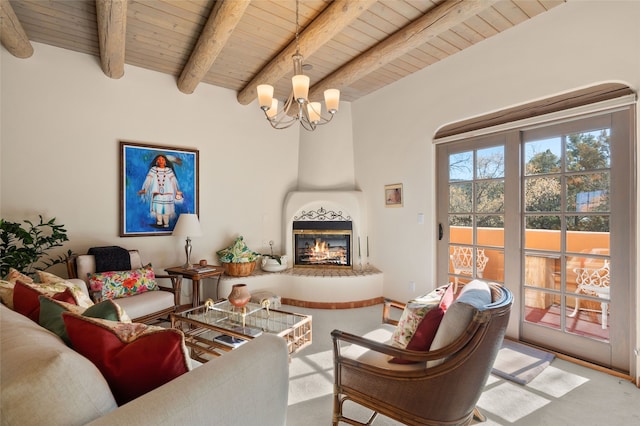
[520, 363]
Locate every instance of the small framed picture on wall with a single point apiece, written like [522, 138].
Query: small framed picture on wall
[393, 195]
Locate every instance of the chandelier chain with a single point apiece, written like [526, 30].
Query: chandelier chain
[297, 28]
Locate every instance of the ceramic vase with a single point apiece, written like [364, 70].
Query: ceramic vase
[270, 264]
[239, 295]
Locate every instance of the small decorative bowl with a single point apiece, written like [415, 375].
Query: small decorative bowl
[270, 264]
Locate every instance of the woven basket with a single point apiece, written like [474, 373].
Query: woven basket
[243, 269]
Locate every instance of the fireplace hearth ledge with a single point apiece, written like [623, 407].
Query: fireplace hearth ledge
[323, 288]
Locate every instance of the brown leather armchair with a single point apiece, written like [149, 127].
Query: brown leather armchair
[415, 394]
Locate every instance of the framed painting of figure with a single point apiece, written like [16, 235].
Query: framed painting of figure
[157, 184]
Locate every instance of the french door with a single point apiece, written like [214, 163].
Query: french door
[548, 212]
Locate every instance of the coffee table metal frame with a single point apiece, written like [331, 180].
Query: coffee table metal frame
[202, 324]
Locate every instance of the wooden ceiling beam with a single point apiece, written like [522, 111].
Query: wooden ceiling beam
[111, 16]
[225, 16]
[333, 19]
[12, 35]
[435, 21]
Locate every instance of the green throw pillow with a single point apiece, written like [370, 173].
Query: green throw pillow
[51, 314]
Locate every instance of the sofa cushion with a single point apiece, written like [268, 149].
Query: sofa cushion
[145, 303]
[381, 334]
[49, 284]
[26, 302]
[117, 284]
[134, 358]
[8, 283]
[473, 297]
[15, 275]
[51, 314]
[82, 298]
[44, 381]
[6, 293]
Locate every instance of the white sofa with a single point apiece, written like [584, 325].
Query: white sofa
[43, 381]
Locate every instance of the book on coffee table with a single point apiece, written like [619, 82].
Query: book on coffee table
[230, 341]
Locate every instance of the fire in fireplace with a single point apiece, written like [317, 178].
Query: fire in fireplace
[322, 244]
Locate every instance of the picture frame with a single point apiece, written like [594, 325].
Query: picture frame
[393, 196]
[157, 184]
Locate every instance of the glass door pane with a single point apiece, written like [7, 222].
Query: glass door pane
[476, 214]
[566, 219]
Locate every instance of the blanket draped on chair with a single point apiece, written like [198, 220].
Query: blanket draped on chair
[111, 258]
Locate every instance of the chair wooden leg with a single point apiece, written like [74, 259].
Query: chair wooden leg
[338, 415]
[337, 408]
[478, 416]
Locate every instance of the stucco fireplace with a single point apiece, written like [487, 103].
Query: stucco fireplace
[340, 221]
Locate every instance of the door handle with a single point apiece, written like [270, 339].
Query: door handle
[440, 231]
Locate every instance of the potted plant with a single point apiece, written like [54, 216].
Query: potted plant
[25, 246]
[273, 262]
[237, 260]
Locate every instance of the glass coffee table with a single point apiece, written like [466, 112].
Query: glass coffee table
[215, 328]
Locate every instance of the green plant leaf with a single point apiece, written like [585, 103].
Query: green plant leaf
[25, 246]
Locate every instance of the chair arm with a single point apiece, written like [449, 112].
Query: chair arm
[386, 311]
[71, 266]
[338, 336]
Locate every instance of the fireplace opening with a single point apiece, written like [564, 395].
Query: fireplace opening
[319, 244]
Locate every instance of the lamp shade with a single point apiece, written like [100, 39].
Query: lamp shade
[188, 225]
[265, 95]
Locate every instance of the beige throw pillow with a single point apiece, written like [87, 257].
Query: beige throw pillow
[473, 297]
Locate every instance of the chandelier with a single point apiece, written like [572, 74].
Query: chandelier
[297, 108]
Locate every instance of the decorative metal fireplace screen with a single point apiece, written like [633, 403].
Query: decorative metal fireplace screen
[325, 244]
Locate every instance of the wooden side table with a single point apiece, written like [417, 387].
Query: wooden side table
[195, 275]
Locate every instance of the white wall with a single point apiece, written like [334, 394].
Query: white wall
[326, 155]
[578, 44]
[62, 119]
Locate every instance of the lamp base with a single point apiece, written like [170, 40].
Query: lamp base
[187, 250]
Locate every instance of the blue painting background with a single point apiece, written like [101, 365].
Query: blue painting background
[137, 161]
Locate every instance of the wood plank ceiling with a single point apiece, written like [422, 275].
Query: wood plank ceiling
[357, 46]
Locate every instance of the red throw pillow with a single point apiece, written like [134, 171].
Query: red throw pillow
[133, 358]
[66, 296]
[27, 303]
[423, 337]
[447, 298]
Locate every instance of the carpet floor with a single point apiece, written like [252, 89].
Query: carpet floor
[520, 363]
[562, 394]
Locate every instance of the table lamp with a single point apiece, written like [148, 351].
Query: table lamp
[187, 226]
